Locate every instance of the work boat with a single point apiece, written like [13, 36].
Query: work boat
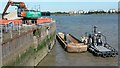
[98, 45]
[70, 43]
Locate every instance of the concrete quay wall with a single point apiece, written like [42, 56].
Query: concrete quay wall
[29, 48]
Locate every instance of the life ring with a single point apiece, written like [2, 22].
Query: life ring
[98, 54]
[113, 55]
[110, 54]
[104, 55]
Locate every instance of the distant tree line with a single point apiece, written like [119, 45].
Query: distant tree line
[60, 13]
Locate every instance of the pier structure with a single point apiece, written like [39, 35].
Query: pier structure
[28, 47]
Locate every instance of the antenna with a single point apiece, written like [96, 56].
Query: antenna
[95, 29]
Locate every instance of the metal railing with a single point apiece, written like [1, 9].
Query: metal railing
[6, 33]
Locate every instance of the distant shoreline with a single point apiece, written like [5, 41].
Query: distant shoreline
[55, 14]
[80, 14]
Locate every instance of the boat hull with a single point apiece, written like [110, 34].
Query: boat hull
[105, 53]
[72, 47]
[80, 48]
[62, 43]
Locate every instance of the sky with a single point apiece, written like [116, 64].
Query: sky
[62, 5]
[64, 0]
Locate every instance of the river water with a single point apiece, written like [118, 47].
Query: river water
[77, 26]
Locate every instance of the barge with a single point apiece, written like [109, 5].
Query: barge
[98, 46]
[70, 43]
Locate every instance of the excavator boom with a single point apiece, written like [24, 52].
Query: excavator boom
[18, 4]
[22, 11]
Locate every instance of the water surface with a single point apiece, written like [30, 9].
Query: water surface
[77, 26]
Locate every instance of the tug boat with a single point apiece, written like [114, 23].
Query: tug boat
[97, 44]
[70, 43]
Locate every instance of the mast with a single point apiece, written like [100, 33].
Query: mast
[95, 29]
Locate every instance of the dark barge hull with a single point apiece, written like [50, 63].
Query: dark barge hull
[61, 42]
[111, 53]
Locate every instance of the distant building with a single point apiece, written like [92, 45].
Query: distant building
[71, 12]
[75, 12]
[112, 11]
[91, 10]
[80, 12]
[85, 12]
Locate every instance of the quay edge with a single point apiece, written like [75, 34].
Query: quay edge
[29, 48]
